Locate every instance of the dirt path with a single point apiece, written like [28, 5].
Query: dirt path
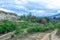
[51, 36]
[54, 36]
[34, 36]
[39, 36]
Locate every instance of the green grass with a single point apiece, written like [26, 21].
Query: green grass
[7, 26]
[36, 27]
[19, 31]
[31, 27]
[20, 27]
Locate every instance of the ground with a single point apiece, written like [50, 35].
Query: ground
[39, 36]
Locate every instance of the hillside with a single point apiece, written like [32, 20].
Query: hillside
[7, 15]
[55, 16]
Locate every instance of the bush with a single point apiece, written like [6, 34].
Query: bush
[19, 30]
[50, 26]
[1, 30]
[36, 29]
[57, 25]
[7, 26]
[33, 27]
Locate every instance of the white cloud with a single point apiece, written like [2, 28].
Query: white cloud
[20, 2]
[33, 10]
[19, 14]
[17, 1]
[2, 6]
[38, 12]
[6, 10]
[10, 11]
[48, 3]
[36, 1]
[58, 11]
[50, 6]
[52, 3]
[41, 11]
[20, 7]
[32, 6]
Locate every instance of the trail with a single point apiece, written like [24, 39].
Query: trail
[51, 36]
[34, 36]
[39, 36]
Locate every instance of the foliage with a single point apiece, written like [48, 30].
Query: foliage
[50, 26]
[48, 19]
[19, 30]
[57, 25]
[31, 25]
[7, 26]
[36, 29]
[42, 20]
[29, 17]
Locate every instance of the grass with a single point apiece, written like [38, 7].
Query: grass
[31, 27]
[20, 27]
[7, 26]
[36, 27]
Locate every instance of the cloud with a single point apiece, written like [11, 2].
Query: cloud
[37, 7]
[52, 3]
[6, 10]
[17, 1]
[47, 3]
[58, 11]
[20, 14]
[21, 2]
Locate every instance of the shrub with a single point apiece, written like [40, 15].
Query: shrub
[7, 26]
[19, 30]
[57, 25]
[36, 29]
[50, 26]
[1, 29]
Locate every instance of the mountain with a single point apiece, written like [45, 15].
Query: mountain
[7, 15]
[55, 17]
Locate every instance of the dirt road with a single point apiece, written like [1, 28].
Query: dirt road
[40, 36]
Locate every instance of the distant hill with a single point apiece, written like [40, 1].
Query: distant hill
[7, 15]
[55, 18]
[7, 12]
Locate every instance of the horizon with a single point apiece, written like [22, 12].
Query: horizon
[36, 7]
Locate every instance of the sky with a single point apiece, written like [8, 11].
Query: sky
[36, 7]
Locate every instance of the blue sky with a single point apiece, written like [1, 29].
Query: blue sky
[36, 7]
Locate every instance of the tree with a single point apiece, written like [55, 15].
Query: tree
[47, 19]
[42, 20]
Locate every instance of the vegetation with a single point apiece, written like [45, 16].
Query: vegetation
[36, 24]
[30, 24]
[6, 26]
[35, 27]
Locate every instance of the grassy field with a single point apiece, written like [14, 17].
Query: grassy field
[22, 28]
[35, 27]
[7, 26]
